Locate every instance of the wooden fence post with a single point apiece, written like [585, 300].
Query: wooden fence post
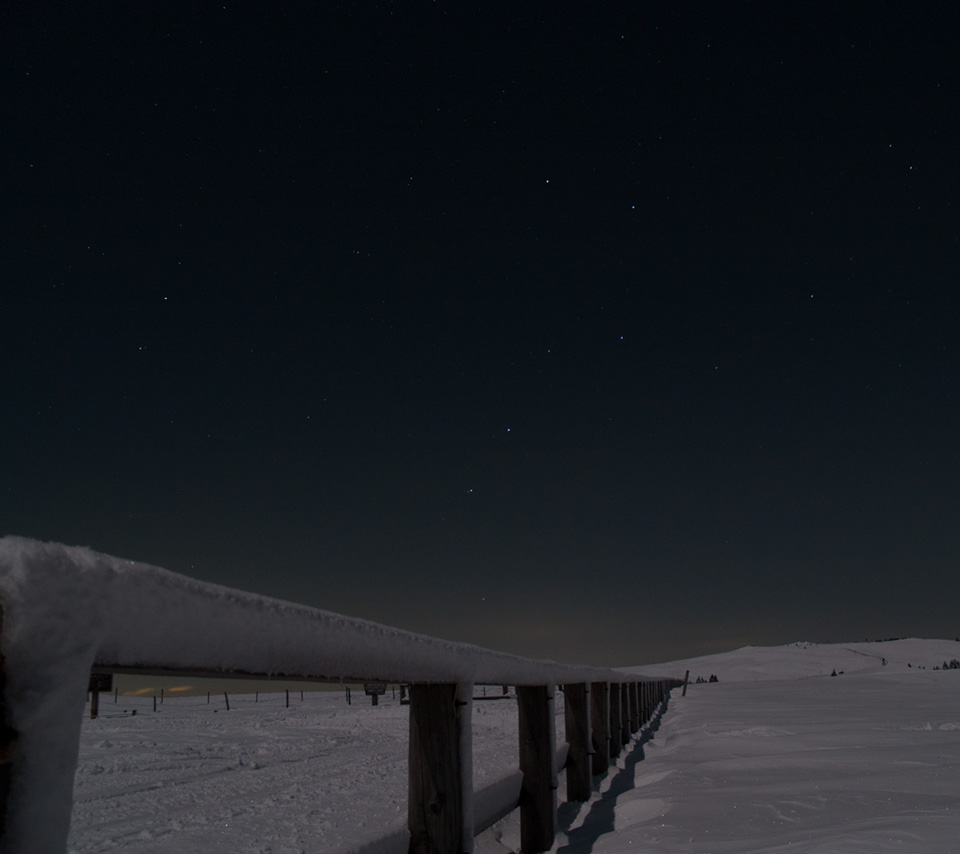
[624, 714]
[576, 697]
[435, 798]
[538, 793]
[614, 733]
[599, 727]
[634, 708]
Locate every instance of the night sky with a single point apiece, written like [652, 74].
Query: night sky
[602, 332]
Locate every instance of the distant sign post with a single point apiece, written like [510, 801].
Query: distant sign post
[98, 682]
[374, 690]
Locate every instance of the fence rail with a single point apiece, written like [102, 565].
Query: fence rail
[65, 612]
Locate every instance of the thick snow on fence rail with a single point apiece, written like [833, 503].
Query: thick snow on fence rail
[66, 609]
[117, 612]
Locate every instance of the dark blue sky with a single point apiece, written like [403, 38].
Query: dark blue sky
[608, 333]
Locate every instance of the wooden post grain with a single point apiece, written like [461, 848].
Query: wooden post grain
[538, 794]
[599, 727]
[435, 805]
[614, 734]
[576, 698]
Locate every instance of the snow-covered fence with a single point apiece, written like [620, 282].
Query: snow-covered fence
[66, 611]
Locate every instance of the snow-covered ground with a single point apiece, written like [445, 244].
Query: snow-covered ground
[777, 755]
[780, 756]
[261, 777]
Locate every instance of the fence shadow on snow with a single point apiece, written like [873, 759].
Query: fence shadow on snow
[601, 813]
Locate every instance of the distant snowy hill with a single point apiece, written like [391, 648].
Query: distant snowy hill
[804, 660]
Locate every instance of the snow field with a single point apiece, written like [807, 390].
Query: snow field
[320, 775]
[866, 761]
[859, 763]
